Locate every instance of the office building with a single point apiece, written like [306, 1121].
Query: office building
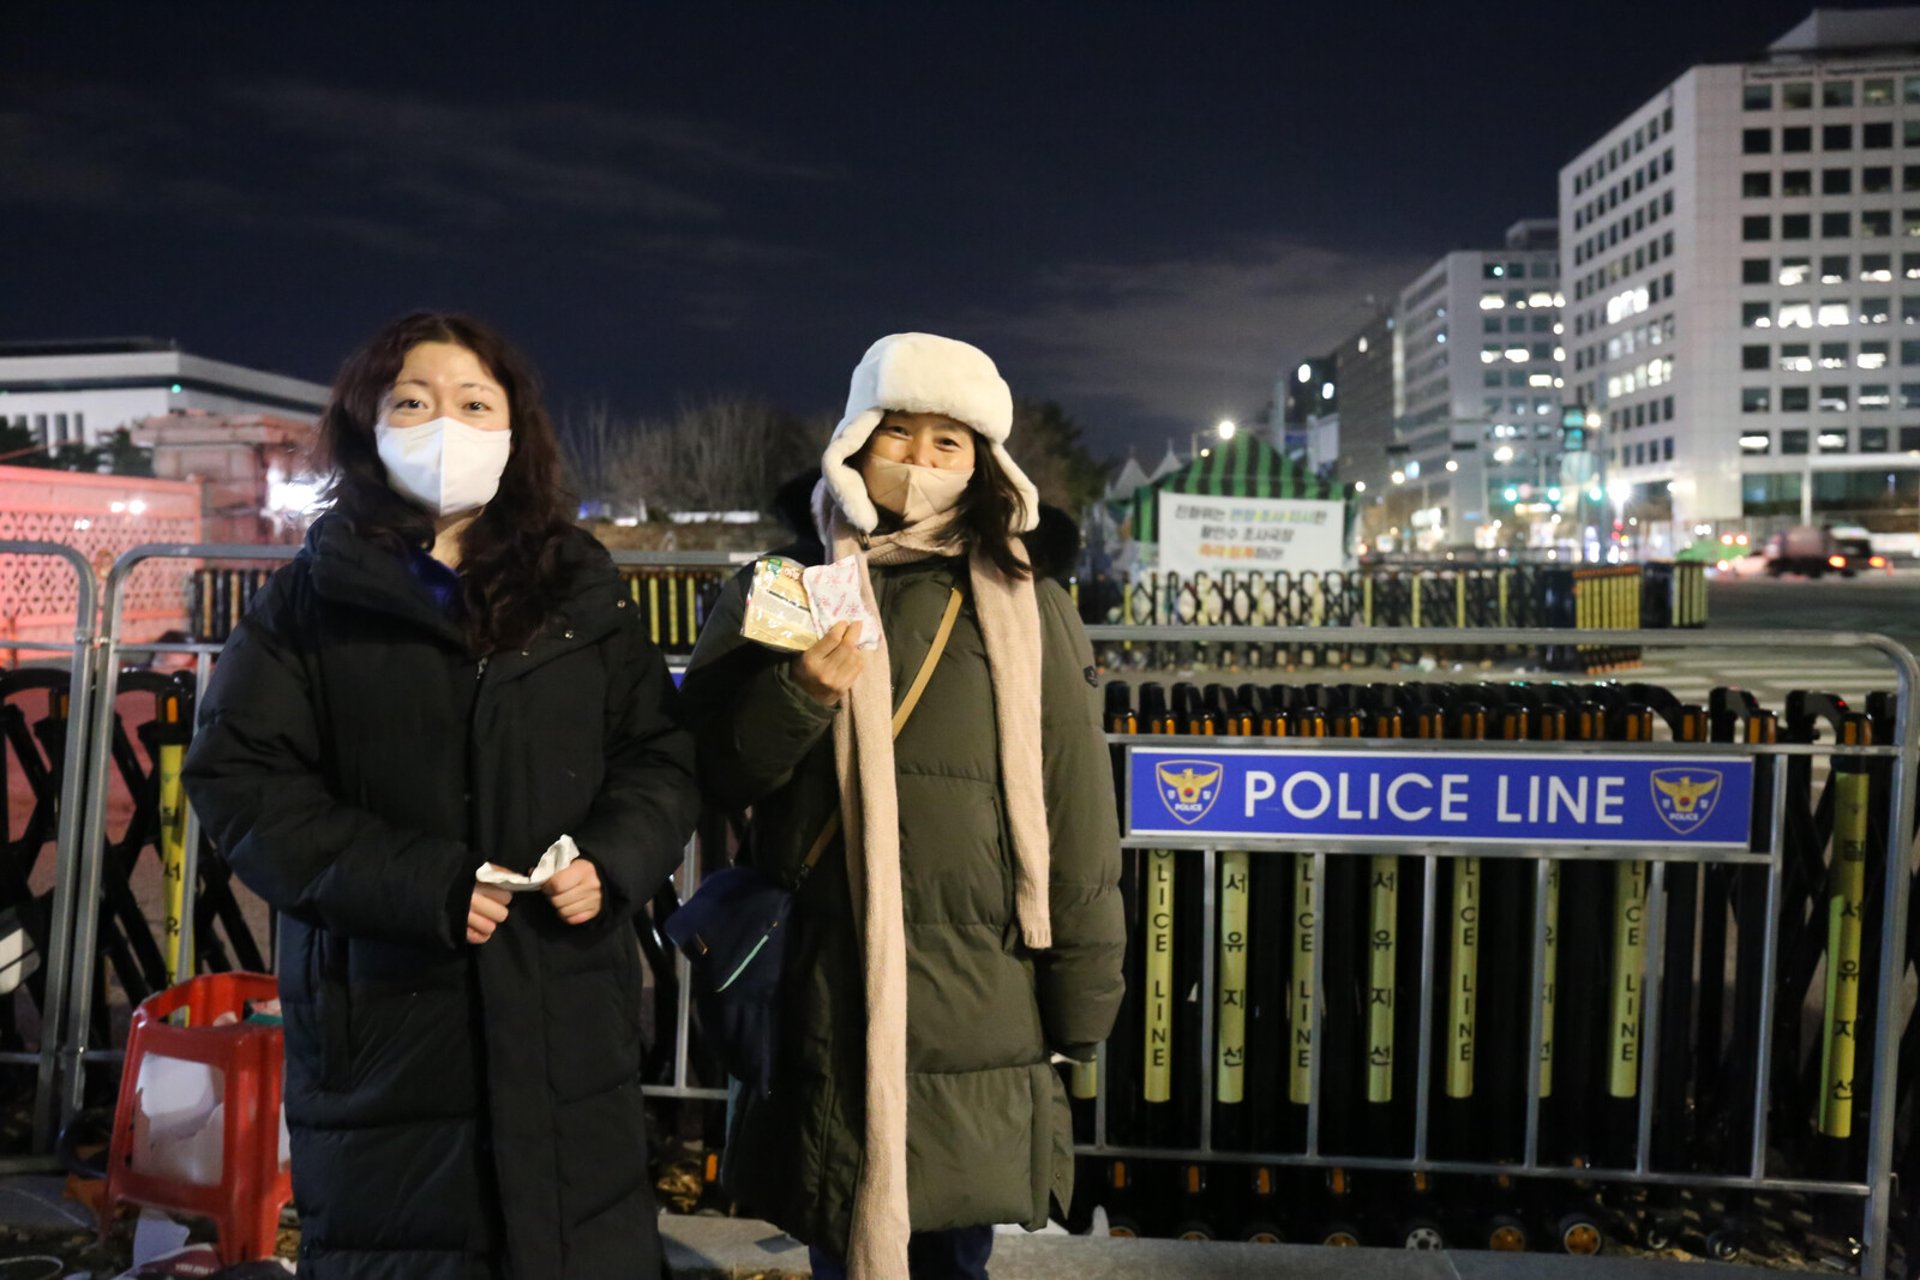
[1741, 261]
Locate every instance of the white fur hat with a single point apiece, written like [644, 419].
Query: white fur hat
[922, 373]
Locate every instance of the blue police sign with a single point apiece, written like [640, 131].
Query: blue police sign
[1449, 797]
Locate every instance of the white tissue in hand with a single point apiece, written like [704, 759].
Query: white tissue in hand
[833, 591]
[559, 856]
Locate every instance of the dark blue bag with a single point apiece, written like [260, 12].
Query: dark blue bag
[733, 931]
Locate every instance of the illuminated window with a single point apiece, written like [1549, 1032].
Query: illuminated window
[1876, 268]
[1756, 442]
[1756, 315]
[1793, 315]
[1833, 441]
[1875, 310]
[1835, 315]
[1876, 93]
[1873, 397]
[1872, 355]
[1795, 271]
[1834, 268]
[1833, 399]
[1833, 355]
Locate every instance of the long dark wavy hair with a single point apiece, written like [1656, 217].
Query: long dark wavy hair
[986, 515]
[509, 579]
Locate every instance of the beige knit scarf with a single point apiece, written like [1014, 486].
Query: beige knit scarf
[1009, 620]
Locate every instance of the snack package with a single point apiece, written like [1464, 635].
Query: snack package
[791, 607]
[778, 613]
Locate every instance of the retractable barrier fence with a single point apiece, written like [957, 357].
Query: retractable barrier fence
[1502, 964]
[126, 826]
[47, 758]
[1410, 596]
[672, 589]
[1506, 964]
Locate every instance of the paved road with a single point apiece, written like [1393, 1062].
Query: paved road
[1889, 605]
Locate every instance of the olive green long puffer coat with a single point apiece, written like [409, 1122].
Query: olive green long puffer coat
[988, 1131]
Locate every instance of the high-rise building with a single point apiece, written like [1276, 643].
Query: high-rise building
[1475, 440]
[79, 393]
[1741, 261]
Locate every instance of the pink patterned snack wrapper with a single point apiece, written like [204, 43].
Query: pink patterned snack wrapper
[833, 591]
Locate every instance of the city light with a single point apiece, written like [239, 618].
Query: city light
[1620, 489]
[1503, 454]
[1511, 493]
[1306, 373]
[1453, 464]
[1399, 477]
[1226, 428]
[1359, 486]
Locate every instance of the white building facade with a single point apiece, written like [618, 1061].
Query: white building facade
[80, 393]
[1741, 257]
[1476, 437]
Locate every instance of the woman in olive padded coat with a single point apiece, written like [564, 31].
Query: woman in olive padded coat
[968, 927]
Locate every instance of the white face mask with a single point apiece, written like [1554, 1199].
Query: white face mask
[445, 465]
[914, 493]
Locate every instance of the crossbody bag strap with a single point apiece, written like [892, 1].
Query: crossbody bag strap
[900, 714]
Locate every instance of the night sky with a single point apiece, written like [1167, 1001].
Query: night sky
[1139, 210]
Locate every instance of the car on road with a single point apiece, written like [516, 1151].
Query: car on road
[1804, 549]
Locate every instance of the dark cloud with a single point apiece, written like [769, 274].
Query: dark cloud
[1173, 343]
[392, 171]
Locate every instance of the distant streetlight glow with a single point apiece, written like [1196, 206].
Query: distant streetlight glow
[1453, 464]
[1306, 373]
[1399, 477]
[1359, 486]
[1227, 428]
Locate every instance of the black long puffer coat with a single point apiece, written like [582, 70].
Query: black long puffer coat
[456, 1111]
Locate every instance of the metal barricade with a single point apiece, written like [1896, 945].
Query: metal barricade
[678, 586]
[76, 1050]
[1596, 966]
[55, 944]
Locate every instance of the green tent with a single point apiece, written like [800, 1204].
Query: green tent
[1243, 467]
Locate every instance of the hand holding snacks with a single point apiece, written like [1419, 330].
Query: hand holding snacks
[827, 670]
[791, 607]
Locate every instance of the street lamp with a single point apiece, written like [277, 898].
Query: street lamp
[1223, 430]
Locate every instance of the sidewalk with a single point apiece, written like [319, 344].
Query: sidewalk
[34, 1215]
[739, 1249]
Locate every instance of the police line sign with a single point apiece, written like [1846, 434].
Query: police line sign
[1460, 797]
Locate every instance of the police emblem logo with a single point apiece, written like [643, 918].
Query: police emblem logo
[1685, 798]
[1188, 787]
